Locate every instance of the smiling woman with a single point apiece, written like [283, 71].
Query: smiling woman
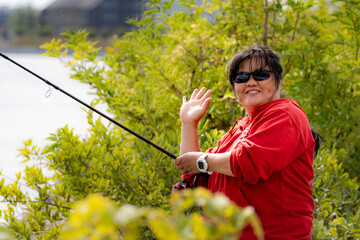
[266, 159]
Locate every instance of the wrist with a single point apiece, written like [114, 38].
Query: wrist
[189, 125]
[210, 162]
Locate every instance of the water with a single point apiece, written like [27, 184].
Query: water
[26, 113]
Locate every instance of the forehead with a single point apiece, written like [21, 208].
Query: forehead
[252, 64]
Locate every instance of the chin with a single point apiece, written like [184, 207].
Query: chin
[252, 105]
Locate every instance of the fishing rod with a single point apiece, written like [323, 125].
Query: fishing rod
[91, 108]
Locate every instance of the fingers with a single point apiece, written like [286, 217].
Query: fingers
[193, 95]
[177, 161]
[206, 103]
[200, 94]
[207, 95]
[179, 164]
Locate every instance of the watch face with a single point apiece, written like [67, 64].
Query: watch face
[201, 165]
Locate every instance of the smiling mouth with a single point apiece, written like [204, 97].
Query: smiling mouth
[252, 92]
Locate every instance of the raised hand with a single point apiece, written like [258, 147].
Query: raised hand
[195, 108]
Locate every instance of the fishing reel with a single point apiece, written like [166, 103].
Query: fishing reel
[200, 179]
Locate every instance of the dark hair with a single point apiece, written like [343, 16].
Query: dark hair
[266, 56]
[318, 140]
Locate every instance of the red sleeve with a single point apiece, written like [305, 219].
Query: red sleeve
[273, 143]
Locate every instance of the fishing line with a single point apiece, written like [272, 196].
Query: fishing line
[48, 93]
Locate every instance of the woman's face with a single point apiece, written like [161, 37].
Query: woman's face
[253, 94]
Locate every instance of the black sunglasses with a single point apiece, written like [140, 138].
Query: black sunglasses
[259, 75]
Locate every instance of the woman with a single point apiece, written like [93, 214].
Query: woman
[266, 159]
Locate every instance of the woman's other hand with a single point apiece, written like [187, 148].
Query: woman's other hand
[187, 162]
[195, 108]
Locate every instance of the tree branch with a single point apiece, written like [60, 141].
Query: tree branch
[356, 40]
[144, 188]
[296, 23]
[288, 64]
[265, 29]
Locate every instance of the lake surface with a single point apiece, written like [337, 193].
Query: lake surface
[26, 113]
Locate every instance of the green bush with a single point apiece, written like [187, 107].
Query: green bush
[336, 198]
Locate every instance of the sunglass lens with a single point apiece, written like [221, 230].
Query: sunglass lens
[261, 75]
[242, 77]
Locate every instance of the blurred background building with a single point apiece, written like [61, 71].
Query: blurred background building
[103, 15]
[24, 26]
[4, 18]
[28, 27]
[4, 15]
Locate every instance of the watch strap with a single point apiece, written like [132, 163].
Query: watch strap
[203, 156]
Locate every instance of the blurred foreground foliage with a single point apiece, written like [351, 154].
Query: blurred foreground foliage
[141, 79]
[96, 217]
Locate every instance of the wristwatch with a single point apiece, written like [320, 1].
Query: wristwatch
[202, 164]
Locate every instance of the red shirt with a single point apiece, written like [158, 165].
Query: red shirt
[271, 159]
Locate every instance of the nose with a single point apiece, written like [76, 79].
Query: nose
[251, 81]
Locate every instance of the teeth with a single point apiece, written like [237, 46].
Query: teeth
[254, 91]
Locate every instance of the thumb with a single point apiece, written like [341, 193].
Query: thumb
[184, 99]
